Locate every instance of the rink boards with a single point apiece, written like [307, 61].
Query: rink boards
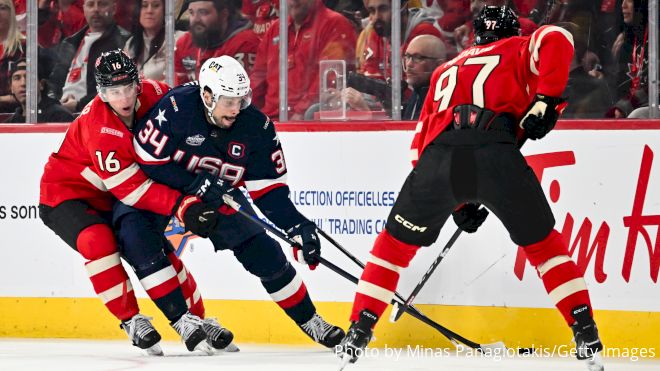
[603, 185]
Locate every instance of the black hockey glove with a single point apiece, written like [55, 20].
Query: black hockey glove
[198, 217]
[209, 188]
[469, 217]
[309, 247]
[541, 116]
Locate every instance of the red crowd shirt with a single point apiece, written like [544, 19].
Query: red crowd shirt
[503, 76]
[96, 162]
[262, 14]
[324, 35]
[377, 50]
[188, 58]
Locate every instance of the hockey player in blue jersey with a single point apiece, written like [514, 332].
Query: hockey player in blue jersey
[205, 138]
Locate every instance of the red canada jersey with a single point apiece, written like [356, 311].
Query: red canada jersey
[96, 162]
[188, 58]
[377, 50]
[502, 76]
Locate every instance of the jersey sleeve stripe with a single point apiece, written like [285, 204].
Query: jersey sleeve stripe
[93, 178]
[536, 41]
[146, 156]
[257, 185]
[122, 176]
[137, 194]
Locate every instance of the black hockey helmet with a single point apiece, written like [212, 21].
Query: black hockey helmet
[494, 23]
[115, 68]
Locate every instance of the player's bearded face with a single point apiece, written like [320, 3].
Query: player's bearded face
[226, 110]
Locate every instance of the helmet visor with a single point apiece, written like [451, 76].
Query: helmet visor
[118, 92]
[231, 102]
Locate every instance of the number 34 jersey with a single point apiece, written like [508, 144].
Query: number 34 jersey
[502, 76]
[175, 141]
[96, 161]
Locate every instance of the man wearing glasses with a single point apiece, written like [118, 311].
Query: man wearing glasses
[424, 54]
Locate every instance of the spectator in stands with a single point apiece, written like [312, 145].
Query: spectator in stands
[262, 14]
[59, 19]
[587, 93]
[71, 76]
[145, 47]
[423, 55]
[315, 33]
[631, 51]
[216, 28]
[12, 49]
[49, 109]
[376, 50]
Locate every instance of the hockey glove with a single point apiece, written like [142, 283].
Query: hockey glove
[198, 217]
[469, 217]
[209, 188]
[309, 247]
[541, 116]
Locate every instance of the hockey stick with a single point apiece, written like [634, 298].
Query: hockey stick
[398, 310]
[452, 336]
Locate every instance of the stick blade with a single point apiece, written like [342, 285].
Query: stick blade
[397, 312]
[497, 346]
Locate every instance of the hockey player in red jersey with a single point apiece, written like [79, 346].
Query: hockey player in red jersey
[464, 151]
[95, 166]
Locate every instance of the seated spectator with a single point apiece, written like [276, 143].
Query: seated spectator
[586, 91]
[376, 53]
[262, 14]
[315, 33]
[12, 49]
[216, 28]
[48, 109]
[146, 46]
[59, 19]
[71, 77]
[423, 55]
[631, 51]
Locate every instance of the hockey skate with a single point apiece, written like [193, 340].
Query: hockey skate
[189, 327]
[587, 342]
[322, 332]
[217, 336]
[143, 334]
[359, 335]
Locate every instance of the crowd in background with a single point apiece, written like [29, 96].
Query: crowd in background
[608, 75]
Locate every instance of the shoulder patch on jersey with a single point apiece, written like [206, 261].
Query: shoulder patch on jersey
[176, 108]
[195, 140]
[160, 117]
[236, 150]
[268, 122]
[111, 131]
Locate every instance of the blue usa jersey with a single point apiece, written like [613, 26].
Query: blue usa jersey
[175, 142]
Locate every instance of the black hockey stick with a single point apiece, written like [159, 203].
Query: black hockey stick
[398, 310]
[449, 334]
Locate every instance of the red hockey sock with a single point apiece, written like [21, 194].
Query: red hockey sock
[561, 277]
[381, 274]
[188, 286]
[96, 243]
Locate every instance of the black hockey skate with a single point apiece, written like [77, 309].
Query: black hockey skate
[143, 334]
[359, 335]
[189, 327]
[322, 332]
[217, 336]
[587, 343]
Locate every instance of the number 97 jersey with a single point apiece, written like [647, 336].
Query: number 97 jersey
[502, 76]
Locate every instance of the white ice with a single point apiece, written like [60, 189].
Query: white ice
[72, 355]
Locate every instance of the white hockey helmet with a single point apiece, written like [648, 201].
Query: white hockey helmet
[224, 76]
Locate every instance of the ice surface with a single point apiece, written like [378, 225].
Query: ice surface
[72, 355]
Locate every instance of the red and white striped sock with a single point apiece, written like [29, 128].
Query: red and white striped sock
[380, 277]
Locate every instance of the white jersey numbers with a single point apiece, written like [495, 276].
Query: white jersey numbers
[151, 134]
[448, 80]
[109, 164]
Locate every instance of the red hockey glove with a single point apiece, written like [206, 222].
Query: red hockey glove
[309, 247]
[198, 217]
[541, 116]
